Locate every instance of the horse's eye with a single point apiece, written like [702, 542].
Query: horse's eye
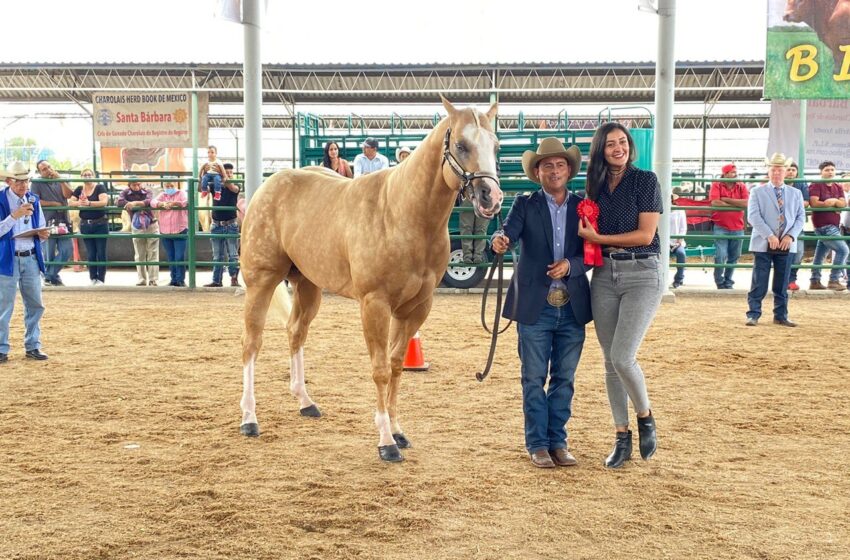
[461, 147]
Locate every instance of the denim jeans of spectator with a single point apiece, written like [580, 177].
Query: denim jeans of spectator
[798, 258]
[59, 249]
[824, 247]
[726, 251]
[27, 277]
[225, 250]
[216, 181]
[95, 249]
[551, 348]
[681, 257]
[175, 250]
[761, 276]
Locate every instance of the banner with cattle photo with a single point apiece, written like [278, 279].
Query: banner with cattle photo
[808, 49]
[156, 119]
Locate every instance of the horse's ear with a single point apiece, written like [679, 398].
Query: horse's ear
[447, 104]
[493, 111]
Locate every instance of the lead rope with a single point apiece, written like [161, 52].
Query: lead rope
[498, 263]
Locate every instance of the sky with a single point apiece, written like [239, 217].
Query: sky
[380, 31]
[388, 32]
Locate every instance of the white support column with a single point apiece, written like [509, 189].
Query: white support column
[665, 78]
[253, 97]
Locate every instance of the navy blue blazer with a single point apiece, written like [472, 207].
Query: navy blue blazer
[530, 223]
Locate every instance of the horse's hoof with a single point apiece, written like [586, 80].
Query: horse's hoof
[251, 429]
[312, 411]
[402, 441]
[390, 453]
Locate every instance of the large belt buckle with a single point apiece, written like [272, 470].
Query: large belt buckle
[558, 297]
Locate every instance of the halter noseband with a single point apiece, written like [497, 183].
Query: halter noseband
[465, 176]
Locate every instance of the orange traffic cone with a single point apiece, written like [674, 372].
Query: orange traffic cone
[77, 267]
[414, 360]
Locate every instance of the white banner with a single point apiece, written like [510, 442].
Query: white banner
[827, 131]
[148, 119]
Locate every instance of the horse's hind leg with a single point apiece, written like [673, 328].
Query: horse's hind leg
[260, 286]
[401, 330]
[308, 298]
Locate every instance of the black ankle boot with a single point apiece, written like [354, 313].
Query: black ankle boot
[646, 436]
[622, 450]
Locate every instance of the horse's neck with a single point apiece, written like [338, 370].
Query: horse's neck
[419, 183]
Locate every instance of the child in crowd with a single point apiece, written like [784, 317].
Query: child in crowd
[212, 170]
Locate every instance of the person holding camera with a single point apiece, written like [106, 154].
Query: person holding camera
[21, 261]
[776, 213]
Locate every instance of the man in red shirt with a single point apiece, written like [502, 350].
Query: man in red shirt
[727, 251]
[827, 194]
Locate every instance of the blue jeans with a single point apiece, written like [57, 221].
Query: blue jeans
[95, 249]
[59, 249]
[726, 251]
[824, 247]
[681, 258]
[27, 277]
[761, 275]
[551, 348]
[798, 258]
[225, 250]
[175, 250]
[215, 178]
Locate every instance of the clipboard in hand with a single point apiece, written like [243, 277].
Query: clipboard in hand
[31, 232]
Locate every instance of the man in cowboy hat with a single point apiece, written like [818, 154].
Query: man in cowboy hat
[727, 251]
[776, 213]
[370, 160]
[21, 261]
[549, 299]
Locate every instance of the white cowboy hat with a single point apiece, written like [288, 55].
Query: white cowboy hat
[402, 149]
[778, 159]
[551, 147]
[16, 170]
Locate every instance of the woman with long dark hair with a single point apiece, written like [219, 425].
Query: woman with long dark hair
[331, 160]
[626, 290]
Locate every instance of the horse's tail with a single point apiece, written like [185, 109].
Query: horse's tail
[281, 305]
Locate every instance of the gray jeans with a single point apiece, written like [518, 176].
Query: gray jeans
[625, 296]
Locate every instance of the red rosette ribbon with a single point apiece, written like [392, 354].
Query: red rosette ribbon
[592, 251]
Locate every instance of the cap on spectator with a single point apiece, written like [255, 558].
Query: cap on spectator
[728, 167]
[370, 143]
[402, 150]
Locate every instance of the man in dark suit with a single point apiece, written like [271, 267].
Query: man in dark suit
[549, 298]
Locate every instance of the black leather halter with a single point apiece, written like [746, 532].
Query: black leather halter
[466, 178]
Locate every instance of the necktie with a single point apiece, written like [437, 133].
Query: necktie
[781, 202]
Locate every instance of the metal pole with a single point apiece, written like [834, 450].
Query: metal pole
[295, 137]
[702, 161]
[801, 150]
[665, 73]
[192, 188]
[253, 97]
[93, 149]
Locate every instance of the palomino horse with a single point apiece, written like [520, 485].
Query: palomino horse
[381, 239]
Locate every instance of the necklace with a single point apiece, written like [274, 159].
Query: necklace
[612, 173]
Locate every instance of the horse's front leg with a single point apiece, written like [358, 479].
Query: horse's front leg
[375, 314]
[401, 332]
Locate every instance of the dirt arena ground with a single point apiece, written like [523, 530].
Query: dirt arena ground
[125, 443]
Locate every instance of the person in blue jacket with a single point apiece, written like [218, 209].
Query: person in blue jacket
[549, 299]
[21, 261]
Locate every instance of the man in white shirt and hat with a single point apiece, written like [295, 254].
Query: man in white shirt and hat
[21, 260]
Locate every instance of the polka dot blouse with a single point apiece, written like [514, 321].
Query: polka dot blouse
[619, 211]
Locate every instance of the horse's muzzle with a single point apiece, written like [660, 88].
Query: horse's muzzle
[488, 198]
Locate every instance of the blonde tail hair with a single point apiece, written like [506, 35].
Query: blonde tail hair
[281, 304]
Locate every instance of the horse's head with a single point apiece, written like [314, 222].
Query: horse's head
[469, 158]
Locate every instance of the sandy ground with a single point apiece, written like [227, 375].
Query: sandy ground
[125, 443]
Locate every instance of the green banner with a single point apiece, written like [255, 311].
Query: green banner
[808, 50]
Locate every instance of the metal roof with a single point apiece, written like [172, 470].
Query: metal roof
[703, 81]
